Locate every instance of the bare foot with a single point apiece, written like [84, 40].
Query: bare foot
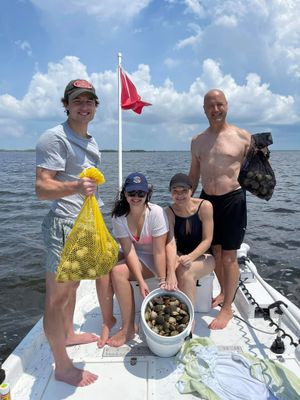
[121, 338]
[217, 300]
[222, 319]
[76, 377]
[102, 340]
[81, 338]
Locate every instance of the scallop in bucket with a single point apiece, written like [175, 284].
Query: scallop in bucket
[167, 319]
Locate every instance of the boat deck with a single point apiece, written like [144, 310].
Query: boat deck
[131, 371]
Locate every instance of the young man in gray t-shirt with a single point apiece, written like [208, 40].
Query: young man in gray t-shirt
[61, 154]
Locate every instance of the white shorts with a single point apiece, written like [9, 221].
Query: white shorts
[146, 259]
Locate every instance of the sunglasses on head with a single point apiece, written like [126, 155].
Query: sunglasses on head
[138, 193]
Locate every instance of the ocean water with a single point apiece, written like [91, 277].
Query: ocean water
[272, 233]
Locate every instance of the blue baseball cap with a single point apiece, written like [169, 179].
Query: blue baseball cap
[136, 181]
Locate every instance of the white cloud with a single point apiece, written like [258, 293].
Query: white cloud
[174, 116]
[171, 63]
[252, 102]
[285, 35]
[195, 7]
[10, 128]
[276, 22]
[192, 40]
[25, 46]
[42, 98]
[102, 10]
[229, 21]
[217, 8]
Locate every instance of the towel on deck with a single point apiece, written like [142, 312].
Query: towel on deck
[216, 375]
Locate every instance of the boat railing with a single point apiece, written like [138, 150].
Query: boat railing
[276, 296]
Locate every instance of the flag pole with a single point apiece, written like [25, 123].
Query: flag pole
[120, 122]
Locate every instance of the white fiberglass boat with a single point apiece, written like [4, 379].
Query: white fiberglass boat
[263, 318]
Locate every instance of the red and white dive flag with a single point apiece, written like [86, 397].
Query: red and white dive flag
[130, 99]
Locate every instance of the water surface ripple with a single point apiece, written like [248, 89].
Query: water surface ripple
[272, 233]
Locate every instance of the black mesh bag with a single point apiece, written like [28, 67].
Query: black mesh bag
[256, 174]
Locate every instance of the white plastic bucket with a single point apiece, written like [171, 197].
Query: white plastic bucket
[166, 346]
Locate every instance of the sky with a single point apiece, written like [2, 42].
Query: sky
[174, 51]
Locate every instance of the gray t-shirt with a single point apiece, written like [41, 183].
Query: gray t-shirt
[62, 150]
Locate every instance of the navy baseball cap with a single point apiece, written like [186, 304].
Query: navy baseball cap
[136, 181]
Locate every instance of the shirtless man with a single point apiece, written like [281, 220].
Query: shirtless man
[61, 154]
[217, 154]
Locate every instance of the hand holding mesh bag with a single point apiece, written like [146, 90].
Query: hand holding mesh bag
[256, 174]
[90, 251]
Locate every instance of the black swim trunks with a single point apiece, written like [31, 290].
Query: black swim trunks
[230, 218]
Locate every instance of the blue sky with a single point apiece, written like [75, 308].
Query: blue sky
[173, 50]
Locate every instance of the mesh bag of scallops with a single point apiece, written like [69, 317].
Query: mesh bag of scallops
[90, 251]
[256, 174]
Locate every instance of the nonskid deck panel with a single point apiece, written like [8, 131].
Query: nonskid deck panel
[153, 377]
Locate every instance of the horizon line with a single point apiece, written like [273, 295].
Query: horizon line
[130, 151]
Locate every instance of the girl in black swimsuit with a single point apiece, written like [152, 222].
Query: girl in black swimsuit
[189, 238]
